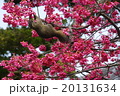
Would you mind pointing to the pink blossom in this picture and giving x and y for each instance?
(11, 74)
(42, 48)
(5, 78)
(24, 44)
(62, 75)
(34, 33)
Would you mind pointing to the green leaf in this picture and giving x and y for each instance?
(64, 21)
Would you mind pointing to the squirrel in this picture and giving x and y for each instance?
(46, 31)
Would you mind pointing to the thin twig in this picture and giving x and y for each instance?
(38, 12)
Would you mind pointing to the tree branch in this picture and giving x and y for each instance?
(118, 31)
(116, 7)
(55, 25)
(106, 49)
(111, 40)
(107, 66)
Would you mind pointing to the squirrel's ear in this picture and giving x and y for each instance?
(35, 17)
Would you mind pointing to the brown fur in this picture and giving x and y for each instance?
(47, 31)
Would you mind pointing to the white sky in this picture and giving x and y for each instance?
(2, 24)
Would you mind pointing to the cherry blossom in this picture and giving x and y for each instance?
(84, 55)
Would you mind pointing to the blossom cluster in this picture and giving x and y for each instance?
(84, 53)
(17, 15)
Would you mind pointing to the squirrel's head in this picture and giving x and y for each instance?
(34, 22)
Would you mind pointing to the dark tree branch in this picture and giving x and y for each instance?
(111, 40)
(116, 7)
(113, 23)
(106, 49)
(55, 25)
(107, 66)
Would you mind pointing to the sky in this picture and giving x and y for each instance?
(2, 24)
